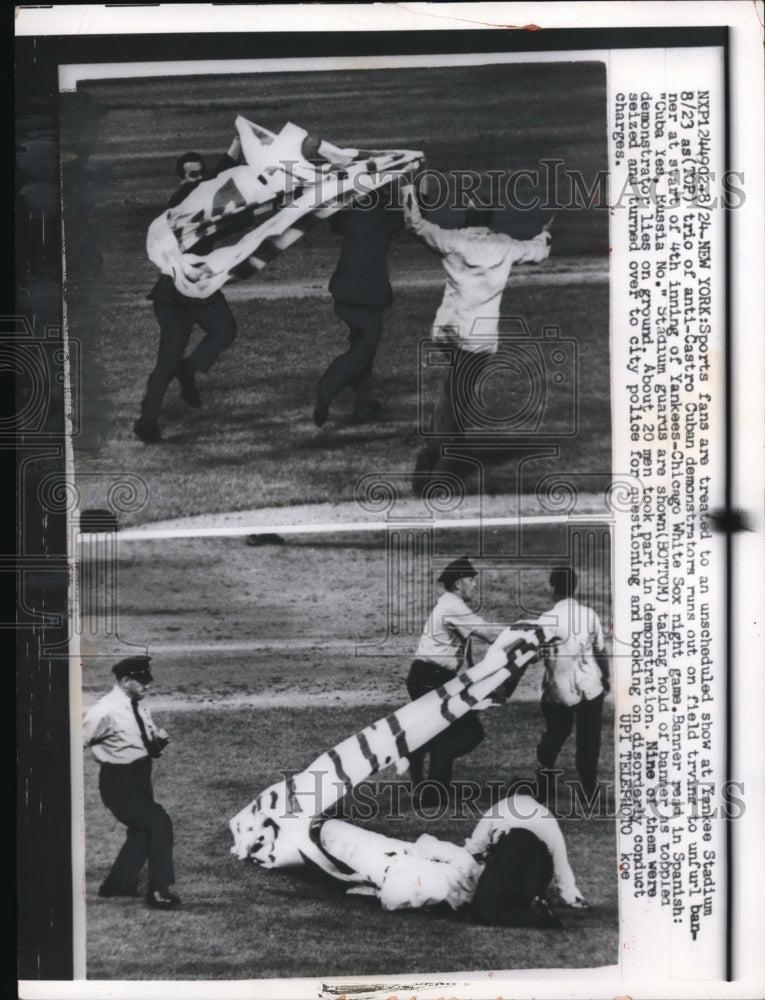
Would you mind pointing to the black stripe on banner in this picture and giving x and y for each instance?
(267, 251)
(398, 735)
(374, 763)
(314, 834)
(305, 222)
(334, 756)
(224, 228)
(445, 710)
(469, 699)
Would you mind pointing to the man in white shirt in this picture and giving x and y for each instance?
(124, 739)
(443, 650)
(477, 261)
(576, 680)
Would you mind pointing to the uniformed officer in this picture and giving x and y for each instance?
(124, 739)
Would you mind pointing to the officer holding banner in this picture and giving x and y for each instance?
(444, 650)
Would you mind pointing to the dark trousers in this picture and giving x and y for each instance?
(559, 721)
(354, 368)
(175, 326)
(127, 793)
(458, 410)
(460, 738)
(518, 870)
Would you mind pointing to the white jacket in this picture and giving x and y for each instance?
(477, 262)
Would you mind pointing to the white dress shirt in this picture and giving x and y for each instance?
(447, 631)
(575, 635)
(111, 730)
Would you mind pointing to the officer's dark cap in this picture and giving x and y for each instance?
(136, 667)
(456, 570)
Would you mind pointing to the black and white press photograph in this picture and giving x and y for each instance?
(374, 392)
(304, 298)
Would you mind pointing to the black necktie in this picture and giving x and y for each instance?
(151, 747)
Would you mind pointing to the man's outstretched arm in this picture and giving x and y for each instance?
(438, 239)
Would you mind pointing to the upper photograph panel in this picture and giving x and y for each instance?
(283, 286)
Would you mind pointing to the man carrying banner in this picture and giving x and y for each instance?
(362, 292)
(287, 183)
(177, 315)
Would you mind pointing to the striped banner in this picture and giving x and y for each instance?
(266, 204)
(273, 830)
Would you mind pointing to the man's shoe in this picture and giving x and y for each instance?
(320, 412)
(186, 375)
(543, 916)
(162, 899)
(106, 892)
(147, 431)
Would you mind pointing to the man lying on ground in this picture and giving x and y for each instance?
(502, 874)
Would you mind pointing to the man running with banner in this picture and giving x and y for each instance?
(229, 227)
(177, 315)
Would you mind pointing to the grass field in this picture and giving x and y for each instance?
(253, 444)
(241, 922)
(262, 660)
(222, 612)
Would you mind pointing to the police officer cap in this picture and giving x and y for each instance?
(136, 667)
(456, 570)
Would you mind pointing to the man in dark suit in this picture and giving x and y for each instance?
(361, 289)
(177, 315)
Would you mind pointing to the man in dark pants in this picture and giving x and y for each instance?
(575, 683)
(443, 651)
(362, 292)
(177, 315)
(124, 739)
(478, 262)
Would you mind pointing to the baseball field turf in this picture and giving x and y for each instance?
(266, 656)
(250, 683)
